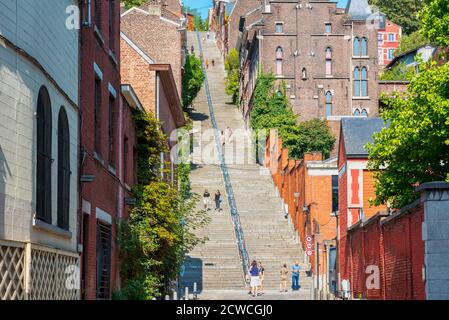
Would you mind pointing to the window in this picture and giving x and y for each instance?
(356, 49)
(104, 237)
(328, 61)
(112, 131)
(334, 193)
(111, 24)
(125, 160)
(391, 37)
(364, 47)
(380, 38)
(97, 116)
(63, 170)
(357, 113)
(328, 27)
(279, 57)
(43, 165)
(328, 104)
(364, 113)
(361, 82)
(279, 27)
(356, 82)
(97, 8)
(364, 82)
(390, 54)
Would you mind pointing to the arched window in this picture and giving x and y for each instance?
(63, 170)
(356, 48)
(364, 82)
(328, 104)
(328, 61)
(279, 58)
(364, 46)
(357, 112)
(356, 82)
(43, 164)
(364, 113)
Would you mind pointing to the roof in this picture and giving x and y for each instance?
(358, 9)
(404, 54)
(356, 132)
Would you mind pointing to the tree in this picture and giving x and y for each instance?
(272, 110)
(401, 12)
(435, 22)
(133, 3)
(410, 42)
(415, 147)
(399, 72)
(192, 80)
(232, 66)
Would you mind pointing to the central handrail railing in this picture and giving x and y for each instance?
(230, 192)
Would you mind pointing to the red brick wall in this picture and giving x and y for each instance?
(102, 193)
(396, 247)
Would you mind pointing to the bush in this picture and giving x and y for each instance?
(232, 66)
(192, 81)
(271, 110)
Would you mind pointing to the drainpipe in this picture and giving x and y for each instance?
(158, 113)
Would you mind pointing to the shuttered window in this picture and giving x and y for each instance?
(43, 165)
(63, 170)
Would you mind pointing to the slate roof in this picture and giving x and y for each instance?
(358, 9)
(357, 132)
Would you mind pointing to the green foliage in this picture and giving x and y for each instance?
(401, 12)
(410, 42)
(192, 81)
(399, 72)
(201, 24)
(232, 66)
(159, 231)
(271, 109)
(133, 3)
(415, 147)
(435, 22)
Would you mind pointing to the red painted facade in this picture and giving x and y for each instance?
(388, 42)
(99, 162)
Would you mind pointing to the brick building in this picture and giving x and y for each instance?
(327, 57)
(388, 36)
(309, 192)
(158, 33)
(99, 154)
(152, 65)
(356, 184)
(39, 108)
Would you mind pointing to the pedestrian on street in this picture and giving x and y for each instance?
(207, 64)
(228, 133)
(218, 201)
(192, 49)
(206, 200)
(284, 274)
(213, 63)
(261, 277)
(223, 138)
(254, 273)
(295, 276)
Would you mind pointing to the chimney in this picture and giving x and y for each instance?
(155, 9)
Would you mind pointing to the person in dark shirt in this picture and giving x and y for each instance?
(254, 273)
(218, 201)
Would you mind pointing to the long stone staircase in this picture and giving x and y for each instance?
(216, 265)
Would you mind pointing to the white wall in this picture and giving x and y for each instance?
(56, 48)
(39, 28)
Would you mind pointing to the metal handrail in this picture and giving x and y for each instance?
(229, 190)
